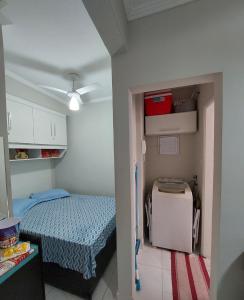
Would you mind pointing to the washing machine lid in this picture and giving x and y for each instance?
(172, 187)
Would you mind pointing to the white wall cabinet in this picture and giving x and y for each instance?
(20, 123)
(29, 123)
(177, 123)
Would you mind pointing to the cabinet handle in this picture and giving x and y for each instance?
(55, 130)
(9, 122)
(51, 128)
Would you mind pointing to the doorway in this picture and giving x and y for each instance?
(202, 145)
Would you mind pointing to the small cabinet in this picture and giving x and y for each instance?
(20, 123)
(177, 123)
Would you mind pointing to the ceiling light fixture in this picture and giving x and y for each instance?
(74, 103)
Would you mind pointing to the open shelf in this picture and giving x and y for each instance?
(175, 123)
(36, 154)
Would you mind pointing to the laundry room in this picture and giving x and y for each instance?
(173, 132)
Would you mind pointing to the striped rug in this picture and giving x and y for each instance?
(190, 277)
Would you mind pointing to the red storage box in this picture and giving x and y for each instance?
(45, 153)
(158, 103)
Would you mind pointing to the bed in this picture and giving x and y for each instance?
(76, 234)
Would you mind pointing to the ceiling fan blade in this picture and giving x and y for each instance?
(87, 89)
(53, 89)
(4, 20)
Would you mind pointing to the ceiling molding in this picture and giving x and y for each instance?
(142, 9)
(30, 84)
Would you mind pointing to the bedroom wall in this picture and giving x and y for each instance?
(203, 37)
(31, 176)
(88, 166)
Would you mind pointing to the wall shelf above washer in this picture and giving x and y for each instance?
(177, 123)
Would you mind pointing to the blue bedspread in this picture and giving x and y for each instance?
(73, 230)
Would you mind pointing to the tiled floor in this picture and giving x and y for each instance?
(106, 289)
(155, 274)
(152, 272)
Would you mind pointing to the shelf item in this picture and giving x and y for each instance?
(32, 124)
(177, 123)
(158, 102)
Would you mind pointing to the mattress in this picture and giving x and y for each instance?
(73, 230)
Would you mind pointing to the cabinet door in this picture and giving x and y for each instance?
(43, 130)
(59, 130)
(20, 123)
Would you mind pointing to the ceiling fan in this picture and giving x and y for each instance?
(74, 95)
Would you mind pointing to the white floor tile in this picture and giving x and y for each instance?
(110, 276)
(73, 297)
(167, 282)
(108, 295)
(166, 261)
(48, 288)
(150, 256)
(167, 296)
(56, 294)
(100, 290)
(151, 282)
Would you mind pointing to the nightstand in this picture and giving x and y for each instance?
(24, 281)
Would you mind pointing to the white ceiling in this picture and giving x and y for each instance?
(50, 38)
(140, 8)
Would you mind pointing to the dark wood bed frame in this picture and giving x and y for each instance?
(72, 281)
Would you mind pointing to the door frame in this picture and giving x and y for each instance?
(217, 80)
(206, 204)
(3, 126)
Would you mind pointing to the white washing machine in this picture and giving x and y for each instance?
(172, 215)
